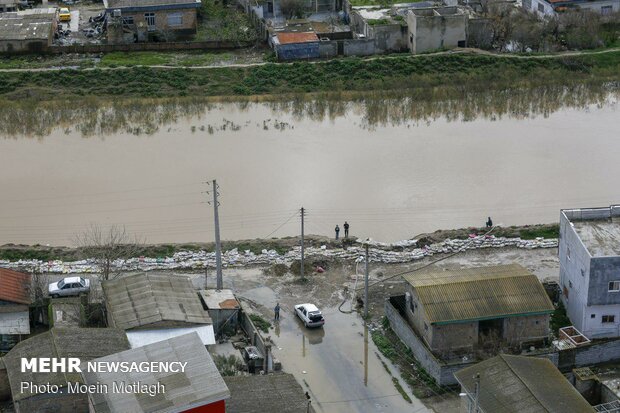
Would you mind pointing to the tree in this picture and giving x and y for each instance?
(107, 246)
(292, 8)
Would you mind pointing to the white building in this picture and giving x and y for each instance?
(589, 252)
(550, 8)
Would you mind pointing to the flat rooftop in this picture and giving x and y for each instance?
(600, 236)
(33, 24)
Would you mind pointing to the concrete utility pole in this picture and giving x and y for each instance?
(303, 212)
(218, 245)
(366, 284)
(477, 395)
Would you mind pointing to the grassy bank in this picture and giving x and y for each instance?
(456, 71)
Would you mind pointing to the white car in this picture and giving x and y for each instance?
(69, 286)
(310, 315)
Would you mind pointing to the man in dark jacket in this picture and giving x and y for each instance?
(337, 229)
(346, 229)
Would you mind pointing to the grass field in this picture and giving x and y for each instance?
(456, 71)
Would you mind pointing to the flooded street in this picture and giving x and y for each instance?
(388, 170)
(340, 365)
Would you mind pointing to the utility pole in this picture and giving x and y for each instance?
(218, 245)
(477, 395)
(303, 212)
(366, 284)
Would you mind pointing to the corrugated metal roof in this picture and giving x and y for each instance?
(199, 384)
(34, 24)
(296, 37)
(14, 286)
(479, 293)
(143, 299)
(265, 393)
(522, 384)
(85, 343)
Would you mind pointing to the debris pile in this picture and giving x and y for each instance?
(379, 252)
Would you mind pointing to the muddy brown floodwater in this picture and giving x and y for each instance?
(391, 168)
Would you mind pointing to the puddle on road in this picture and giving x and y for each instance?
(338, 365)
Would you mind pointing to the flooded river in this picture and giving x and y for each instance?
(392, 167)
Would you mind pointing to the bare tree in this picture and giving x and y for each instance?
(107, 246)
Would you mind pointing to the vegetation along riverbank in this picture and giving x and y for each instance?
(456, 71)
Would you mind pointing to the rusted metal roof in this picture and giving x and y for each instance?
(297, 37)
(479, 293)
(512, 384)
(14, 286)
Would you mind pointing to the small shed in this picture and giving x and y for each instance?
(296, 45)
(199, 387)
(223, 308)
(151, 307)
(27, 30)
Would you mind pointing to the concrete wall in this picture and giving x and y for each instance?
(389, 37)
(5, 387)
(574, 273)
(518, 330)
(328, 49)
(257, 340)
(601, 6)
(584, 280)
(442, 373)
(431, 29)
(540, 7)
(359, 47)
(188, 20)
(297, 51)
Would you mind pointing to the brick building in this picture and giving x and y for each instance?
(458, 312)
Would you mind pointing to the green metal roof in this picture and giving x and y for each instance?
(522, 384)
(479, 293)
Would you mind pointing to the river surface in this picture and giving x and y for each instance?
(392, 168)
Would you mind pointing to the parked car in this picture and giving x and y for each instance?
(64, 15)
(310, 315)
(69, 286)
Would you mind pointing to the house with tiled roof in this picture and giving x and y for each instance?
(456, 312)
(14, 302)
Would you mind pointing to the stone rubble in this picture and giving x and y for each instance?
(401, 252)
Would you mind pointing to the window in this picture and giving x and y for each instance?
(606, 10)
(175, 19)
(150, 19)
(541, 8)
(592, 315)
(128, 20)
(614, 286)
(608, 318)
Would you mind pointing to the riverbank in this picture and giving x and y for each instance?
(456, 71)
(283, 250)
